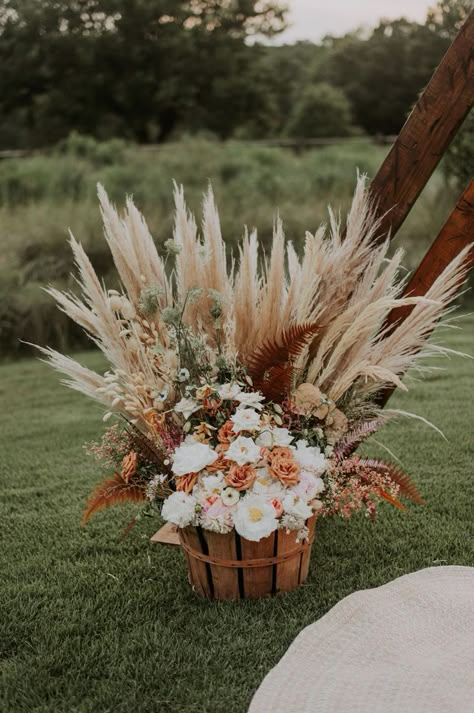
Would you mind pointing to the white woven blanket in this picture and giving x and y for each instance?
(406, 647)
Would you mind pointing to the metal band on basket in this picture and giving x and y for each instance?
(262, 562)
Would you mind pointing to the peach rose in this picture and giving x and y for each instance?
(225, 434)
(241, 477)
(283, 466)
(220, 464)
(186, 482)
(306, 399)
(129, 466)
(277, 452)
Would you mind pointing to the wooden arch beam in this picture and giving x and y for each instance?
(422, 142)
(456, 234)
(427, 133)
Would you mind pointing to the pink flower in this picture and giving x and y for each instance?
(209, 502)
(278, 506)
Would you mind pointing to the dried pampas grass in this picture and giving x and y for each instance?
(341, 283)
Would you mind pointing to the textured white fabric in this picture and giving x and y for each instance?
(405, 647)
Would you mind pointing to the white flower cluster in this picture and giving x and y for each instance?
(264, 479)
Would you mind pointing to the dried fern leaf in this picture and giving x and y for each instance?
(349, 443)
(280, 352)
(277, 383)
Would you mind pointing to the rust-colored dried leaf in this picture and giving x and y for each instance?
(111, 491)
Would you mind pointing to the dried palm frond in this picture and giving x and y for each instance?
(112, 491)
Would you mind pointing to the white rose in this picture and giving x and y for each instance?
(187, 407)
(265, 438)
(192, 458)
(296, 507)
(229, 392)
(310, 458)
(243, 450)
(308, 486)
(212, 484)
(274, 437)
(245, 419)
(252, 399)
(267, 486)
(281, 437)
(254, 518)
(179, 508)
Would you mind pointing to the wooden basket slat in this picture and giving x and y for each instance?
(225, 579)
(306, 556)
(258, 582)
(198, 571)
(287, 573)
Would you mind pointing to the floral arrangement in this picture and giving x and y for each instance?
(243, 389)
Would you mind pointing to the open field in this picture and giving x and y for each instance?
(41, 197)
(91, 625)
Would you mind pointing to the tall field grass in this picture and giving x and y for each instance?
(43, 196)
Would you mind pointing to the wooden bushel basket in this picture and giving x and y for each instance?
(231, 567)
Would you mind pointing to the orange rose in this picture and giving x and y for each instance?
(240, 477)
(219, 464)
(186, 482)
(225, 434)
(277, 452)
(283, 466)
(129, 466)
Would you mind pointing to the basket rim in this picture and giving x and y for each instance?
(249, 563)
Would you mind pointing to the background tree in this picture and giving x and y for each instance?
(150, 70)
(446, 20)
(133, 68)
(383, 74)
(447, 17)
(322, 111)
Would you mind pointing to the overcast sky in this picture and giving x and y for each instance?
(312, 19)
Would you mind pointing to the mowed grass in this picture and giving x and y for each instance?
(93, 625)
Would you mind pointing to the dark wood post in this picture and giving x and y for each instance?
(427, 133)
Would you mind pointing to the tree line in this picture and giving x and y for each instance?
(151, 70)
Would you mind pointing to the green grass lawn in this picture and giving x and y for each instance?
(92, 625)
